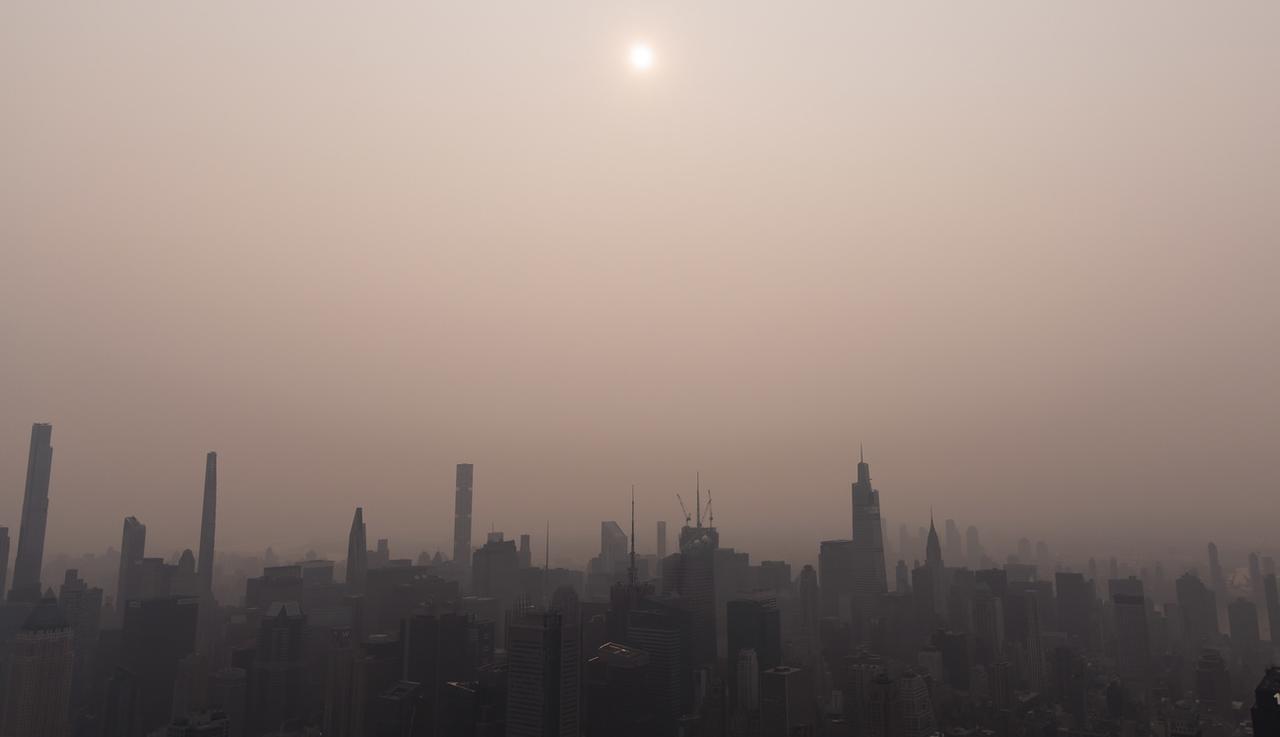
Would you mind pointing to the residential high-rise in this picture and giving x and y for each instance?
(41, 662)
(35, 516)
(133, 548)
(462, 515)
(543, 675)
(915, 708)
(4, 559)
(357, 553)
(870, 580)
(662, 540)
(81, 606)
(208, 519)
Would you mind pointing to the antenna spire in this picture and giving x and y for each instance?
(862, 457)
(631, 569)
(697, 502)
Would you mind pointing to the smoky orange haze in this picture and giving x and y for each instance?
(1026, 252)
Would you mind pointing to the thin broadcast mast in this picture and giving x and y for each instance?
(631, 569)
(697, 499)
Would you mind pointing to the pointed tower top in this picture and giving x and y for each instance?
(862, 457)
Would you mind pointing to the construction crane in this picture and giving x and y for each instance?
(683, 509)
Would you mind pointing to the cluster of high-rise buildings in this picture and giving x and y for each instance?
(696, 641)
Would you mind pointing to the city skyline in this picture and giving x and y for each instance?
(595, 368)
(1015, 269)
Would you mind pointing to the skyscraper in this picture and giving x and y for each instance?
(1273, 608)
(662, 541)
(462, 515)
(543, 677)
(613, 547)
(836, 572)
(208, 518)
(785, 704)
(1133, 654)
(4, 558)
(38, 697)
(133, 547)
(1217, 582)
(955, 548)
(35, 516)
(357, 553)
(870, 580)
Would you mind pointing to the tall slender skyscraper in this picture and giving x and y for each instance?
(357, 552)
(662, 541)
(462, 516)
(1217, 582)
(35, 516)
(870, 581)
(4, 558)
(208, 518)
(133, 547)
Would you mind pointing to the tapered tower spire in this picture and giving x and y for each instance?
(208, 522)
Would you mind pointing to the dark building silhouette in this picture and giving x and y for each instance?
(1217, 582)
(786, 706)
(208, 522)
(1199, 612)
(81, 606)
(691, 575)
(278, 679)
(543, 675)
(1242, 618)
(35, 516)
(462, 515)
(133, 547)
(837, 562)
(37, 700)
(662, 539)
(495, 570)
(615, 693)
(1133, 654)
(664, 633)
(1075, 598)
(870, 576)
(357, 553)
(1265, 712)
(753, 624)
(4, 559)
(229, 692)
(158, 633)
(1273, 608)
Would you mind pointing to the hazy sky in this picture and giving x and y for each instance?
(1026, 252)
